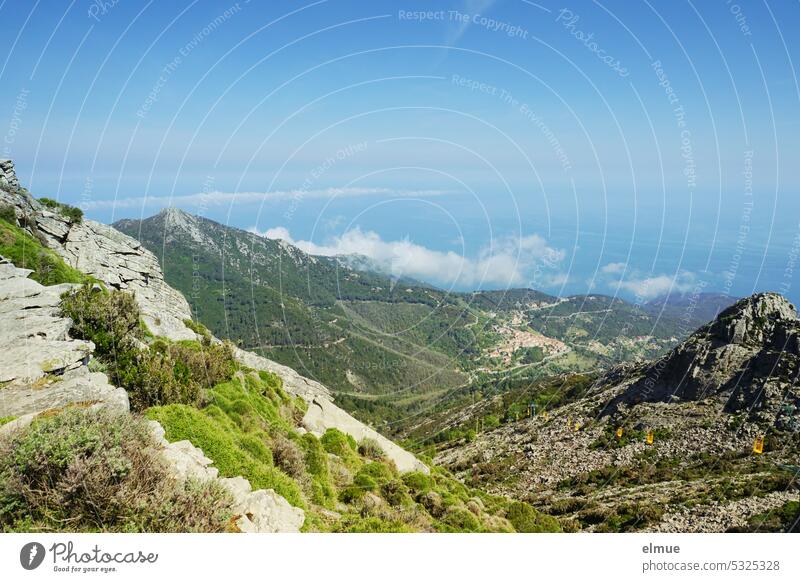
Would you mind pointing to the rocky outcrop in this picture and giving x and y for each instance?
(121, 262)
(293, 382)
(749, 358)
(260, 511)
(8, 175)
(116, 259)
(41, 367)
(34, 342)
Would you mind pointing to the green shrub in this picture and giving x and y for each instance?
(462, 519)
(396, 493)
(71, 213)
(322, 489)
(242, 430)
(351, 494)
(164, 373)
(8, 214)
(220, 439)
(110, 319)
(82, 470)
(526, 519)
(380, 472)
(371, 449)
(418, 482)
(288, 456)
(343, 446)
(353, 524)
(365, 483)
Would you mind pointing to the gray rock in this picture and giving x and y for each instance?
(8, 175)
(263, 510)
(748, 357)
(260, 511)
(323, 414)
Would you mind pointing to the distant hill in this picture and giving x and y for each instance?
(355, 331)
(389, 348)
(695, 310)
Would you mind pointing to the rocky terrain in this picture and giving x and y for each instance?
(43, 369)
(667, 445)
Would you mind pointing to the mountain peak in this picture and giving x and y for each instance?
(171, 214)
(752, 320)
(749, 357)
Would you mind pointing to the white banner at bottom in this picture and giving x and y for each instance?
(401, 557)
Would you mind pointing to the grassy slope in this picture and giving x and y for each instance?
(26, 252)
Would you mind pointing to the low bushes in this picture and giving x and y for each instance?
(371, 449)
(236, 431)
(526, 519)
(163, 373)
(322, 490)
(82, 470)
(71, 213)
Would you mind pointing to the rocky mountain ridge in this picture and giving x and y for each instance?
(748, 358)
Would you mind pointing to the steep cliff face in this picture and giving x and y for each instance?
(41, 367)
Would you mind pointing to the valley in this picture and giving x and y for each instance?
(391, 351)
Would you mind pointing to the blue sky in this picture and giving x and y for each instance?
(616, 146)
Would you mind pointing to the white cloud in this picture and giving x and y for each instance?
(506, 262)
(614, 268)
(658, 285)
(190, 201)
(645, 286)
